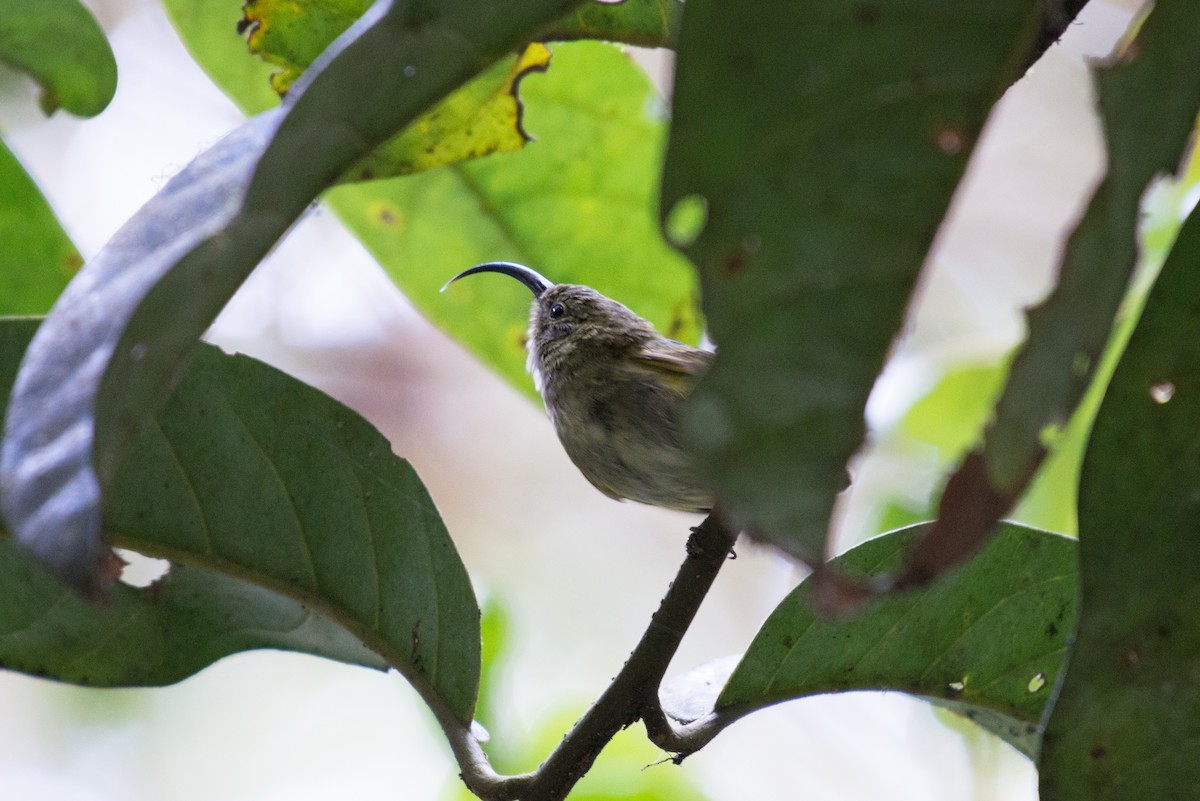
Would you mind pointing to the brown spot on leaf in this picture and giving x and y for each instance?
(951, 139)
(73, 262)
(866, 13)
(1133, 658)
(1098, 752)
(788, 642)
(736, 262)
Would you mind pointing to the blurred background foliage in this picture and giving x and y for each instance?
(552, 634)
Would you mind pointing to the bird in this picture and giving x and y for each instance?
(615, 389)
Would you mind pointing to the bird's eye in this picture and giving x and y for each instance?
(556, 311)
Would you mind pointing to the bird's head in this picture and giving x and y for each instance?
(570, 321)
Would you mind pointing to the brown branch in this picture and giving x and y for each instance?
(632, 695)
(635, 688)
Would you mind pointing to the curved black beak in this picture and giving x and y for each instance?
(530, 278)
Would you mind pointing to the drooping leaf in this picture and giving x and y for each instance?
(1124, 725)
(576, 204)
(114, 345)
(824, 148)
(987, 641)
(1148, 119)
(60, 45)
(290, 524)
(36, 255)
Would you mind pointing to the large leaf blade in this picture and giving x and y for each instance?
(987, 641)
(114, 344)
(1124, 725)
(1148, 122)
(799, 127)
(291, 525)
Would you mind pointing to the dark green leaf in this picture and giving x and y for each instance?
(59, 43)
(291, 525)
(577, 204)
(155, 636)
(1148, 120)
(115, 343)
(1125, 723)
(36, 256)
(825, 146)
(645, 23)
(986, 641)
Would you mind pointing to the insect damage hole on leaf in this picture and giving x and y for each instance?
(140, 570)
(1162, 391)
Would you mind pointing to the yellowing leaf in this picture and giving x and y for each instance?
(482, 117)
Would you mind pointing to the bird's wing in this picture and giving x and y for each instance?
(675, 357)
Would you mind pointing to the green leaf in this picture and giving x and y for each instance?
(577, 204)
(645, 23)
(1125, 724)
(289, 523)
(291, 35)
(36, 256)
(156, 636)
(950, 416)
(987, 641)
(61, 46)
(825, 147)
(209, 30)
(1148, 122)
(481, 118)
(113, 346)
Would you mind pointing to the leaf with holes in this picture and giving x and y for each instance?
(291, 35)
(290, 524)
(986, 641)
(1125, 723)
(1147, 127)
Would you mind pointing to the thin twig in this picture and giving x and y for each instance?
(632, 695)
(635, 688)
